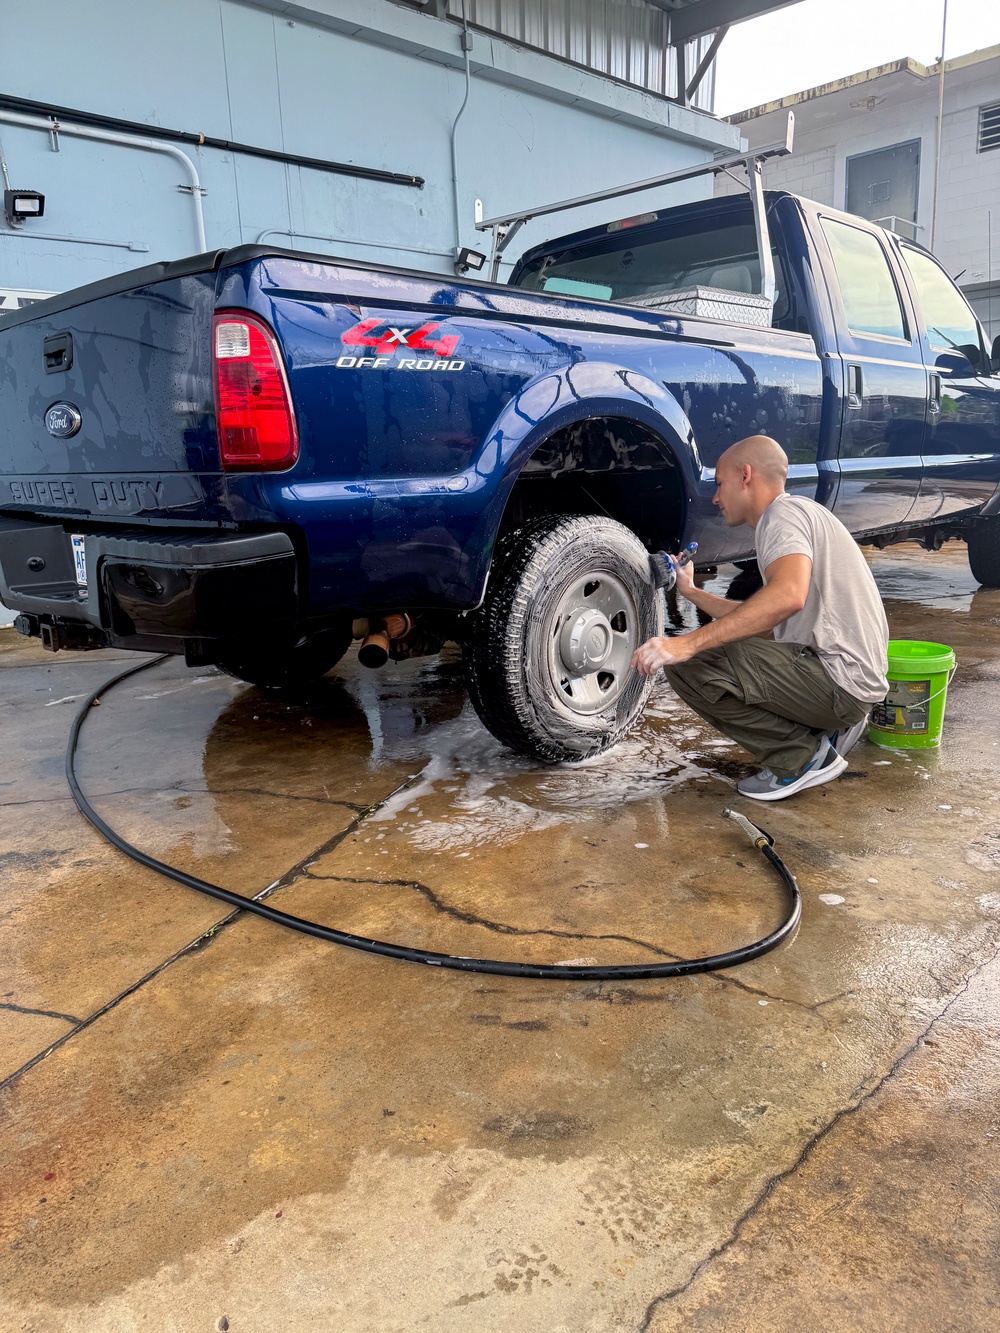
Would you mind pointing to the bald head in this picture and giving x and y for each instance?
(748, 476)
(764, 455)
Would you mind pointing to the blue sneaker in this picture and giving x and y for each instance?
(825, 765)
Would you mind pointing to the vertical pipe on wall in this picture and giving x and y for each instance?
(940, 122)
(466, 47)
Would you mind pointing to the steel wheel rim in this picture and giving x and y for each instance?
(592, 633)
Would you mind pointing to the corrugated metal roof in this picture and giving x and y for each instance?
(628, 40)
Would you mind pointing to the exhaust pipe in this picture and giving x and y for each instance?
(374, 651)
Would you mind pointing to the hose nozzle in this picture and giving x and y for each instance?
(756, 835)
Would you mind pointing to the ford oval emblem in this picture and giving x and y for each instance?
(63, 420)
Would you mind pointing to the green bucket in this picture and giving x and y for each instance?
(912, 716)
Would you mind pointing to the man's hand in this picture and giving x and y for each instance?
(657, 653)
(685, 576)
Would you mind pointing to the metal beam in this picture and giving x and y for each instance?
(765, 258)
(706, 62)
(680, 60)
(704, 16)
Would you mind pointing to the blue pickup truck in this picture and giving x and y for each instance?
(256, 457)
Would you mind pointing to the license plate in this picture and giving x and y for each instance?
(79, 559)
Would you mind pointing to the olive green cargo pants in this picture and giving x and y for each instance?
(774, 699)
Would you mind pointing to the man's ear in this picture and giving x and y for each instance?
(747, 475)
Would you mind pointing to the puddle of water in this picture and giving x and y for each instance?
(940, 580)
(473, 792)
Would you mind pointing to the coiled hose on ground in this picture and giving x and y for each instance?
(542, 971)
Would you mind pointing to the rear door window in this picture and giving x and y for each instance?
(867, 287)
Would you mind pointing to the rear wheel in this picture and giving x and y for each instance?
(291, 665)
(548, 661)
(983, 540)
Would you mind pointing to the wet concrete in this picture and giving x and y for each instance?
(209, 1122)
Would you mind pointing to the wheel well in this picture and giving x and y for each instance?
(604, 465)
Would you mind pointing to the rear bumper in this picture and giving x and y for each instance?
(172, 592)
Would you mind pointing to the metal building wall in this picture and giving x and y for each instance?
(625, 39)
(362, 81)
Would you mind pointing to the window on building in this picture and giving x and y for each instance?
(867, 287)
(950, 323)
(989, 128)
(882, 186)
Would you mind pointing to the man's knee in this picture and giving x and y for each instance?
(707, 674)
(682, 678)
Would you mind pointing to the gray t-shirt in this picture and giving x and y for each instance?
(843, 620)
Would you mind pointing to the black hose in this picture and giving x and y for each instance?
(544, 971)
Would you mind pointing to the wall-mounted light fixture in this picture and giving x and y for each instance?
(20, 205)
(466, 260)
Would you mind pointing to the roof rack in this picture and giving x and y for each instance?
(506, 226)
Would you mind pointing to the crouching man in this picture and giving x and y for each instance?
(800, 701)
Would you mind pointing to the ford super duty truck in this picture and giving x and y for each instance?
(256, 457)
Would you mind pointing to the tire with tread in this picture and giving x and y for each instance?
(983, 540)
(505, 656)
(292, 665)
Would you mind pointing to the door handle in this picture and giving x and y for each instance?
(57, 352)
(935, 394)
(855, 386)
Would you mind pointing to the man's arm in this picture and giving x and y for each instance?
(713, 606)
(783, 594)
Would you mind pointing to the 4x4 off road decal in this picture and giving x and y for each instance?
(386, 340)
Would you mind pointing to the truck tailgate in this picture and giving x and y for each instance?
(106, 403)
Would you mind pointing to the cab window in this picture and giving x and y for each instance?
(625, 265)
(867, 287)
(949, 322)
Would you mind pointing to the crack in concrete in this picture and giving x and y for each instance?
(772, 1183)
(504, 928)
(202, 941)
(841, 995)
(55, 800)
(813, 1008)
(277, 795)
(498, 927)
(40, 1013)
(183, 788)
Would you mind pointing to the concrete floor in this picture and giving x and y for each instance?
(211, 1123)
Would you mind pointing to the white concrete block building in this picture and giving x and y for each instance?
(868, 144)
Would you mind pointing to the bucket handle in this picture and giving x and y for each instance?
(906, 708)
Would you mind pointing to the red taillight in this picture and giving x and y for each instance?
(256, 424)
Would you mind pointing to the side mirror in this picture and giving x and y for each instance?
(958, 361)
(995, 355)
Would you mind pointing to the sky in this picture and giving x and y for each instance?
(816, 41)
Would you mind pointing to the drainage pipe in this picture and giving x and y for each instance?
(126, 141)
(79, 117)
